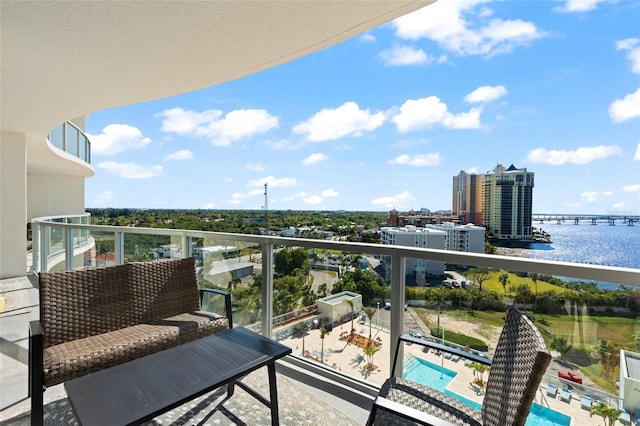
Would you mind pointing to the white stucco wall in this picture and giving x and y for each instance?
(13, 205)
(54, 195)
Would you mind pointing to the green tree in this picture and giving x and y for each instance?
(367, 283)
(290, 262)
(478, 276)
(323, 331)
(350, 303)
(534, 277)
(303, 329)
(608, 414)
(370, 312)
(322, 290)
(560, 344)
(369, 352)
(504, 280)
(438, 295)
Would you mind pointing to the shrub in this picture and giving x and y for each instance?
(460, 339)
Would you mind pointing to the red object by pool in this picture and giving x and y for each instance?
(569, 375)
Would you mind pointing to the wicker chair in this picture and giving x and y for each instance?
(520, 361)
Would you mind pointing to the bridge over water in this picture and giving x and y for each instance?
(576, 219)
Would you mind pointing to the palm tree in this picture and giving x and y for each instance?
(370, 312)
(560, 344)
(350, 303)
(323, 331)
(303, 328)
(478, 371)
(369, 352)
(534, 278)
(608, 414)
(504, 280)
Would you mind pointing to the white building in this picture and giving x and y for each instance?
(630, 381)
(412, 236)
(468, 238)
(336, 308)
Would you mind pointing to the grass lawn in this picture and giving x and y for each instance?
(493, 283)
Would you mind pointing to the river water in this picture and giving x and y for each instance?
(600, 244)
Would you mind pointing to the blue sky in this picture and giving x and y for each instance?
(386, 119)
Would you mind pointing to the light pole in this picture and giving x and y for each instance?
(378, 315)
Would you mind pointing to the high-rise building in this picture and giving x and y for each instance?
(412, 236)
(467, 197)
(507, 196)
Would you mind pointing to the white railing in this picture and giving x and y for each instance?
(180, 243)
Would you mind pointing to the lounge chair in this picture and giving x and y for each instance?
(520, 361)
(565, 395)
(624, 417)
(585, 402)
(552, 390)
(447, 355)
(455, 358)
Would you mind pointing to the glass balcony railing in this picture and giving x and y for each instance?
(52, 244)
(71, 139)
(329, 335)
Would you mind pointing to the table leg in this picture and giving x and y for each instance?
(273, 394)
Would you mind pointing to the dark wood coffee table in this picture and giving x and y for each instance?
(140, 390)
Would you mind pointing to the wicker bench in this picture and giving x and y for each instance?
(99, 318)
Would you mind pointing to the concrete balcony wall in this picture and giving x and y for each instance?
(53, 194)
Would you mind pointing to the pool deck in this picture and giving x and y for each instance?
(350, 359)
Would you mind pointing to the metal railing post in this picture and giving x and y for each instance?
(397, 311)
(118, 247)
(186, 247)
(45, 248)
(67, 234)
(35, 246)
(267, 290)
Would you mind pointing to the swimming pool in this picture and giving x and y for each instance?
(429, 374)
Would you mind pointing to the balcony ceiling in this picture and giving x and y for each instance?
(61, 60)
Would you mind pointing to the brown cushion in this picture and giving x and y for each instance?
(76, 358)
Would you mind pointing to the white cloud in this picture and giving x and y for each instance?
(631, 188)
(446, 23)
(589, 196)
(486, 94)
(130, 170)
(637, 156)
(582, 155)
(394, 200)
(573, 6)
(425, 112)
(633, 46)
(346, 120)
(607, 193)
(209, 206)
(312, 199)
(272, 182)
(618, 205)
(626, 108)
(256, 167)
(368, 38)
(329, 193)
(211, 124)
(314, 158)
(399, 56)
(431, 159)
(103, 198)
(183, 154)
(473, 170)
(237, 197)
(117, 138)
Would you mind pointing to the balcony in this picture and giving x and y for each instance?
(332, 374)
(69, 138)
